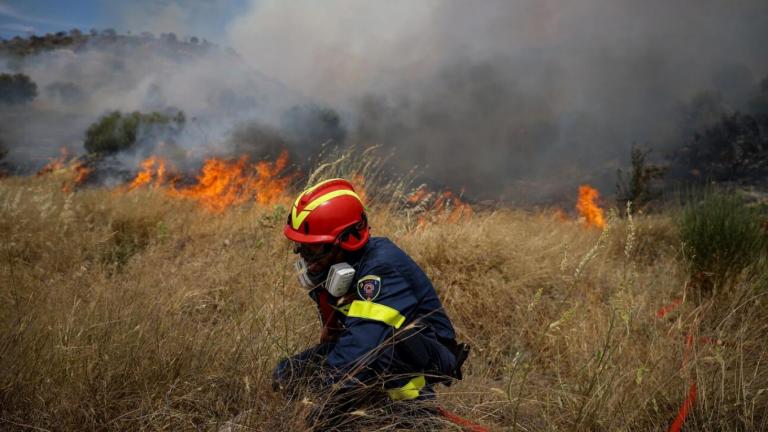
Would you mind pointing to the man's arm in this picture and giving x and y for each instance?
(383, 299)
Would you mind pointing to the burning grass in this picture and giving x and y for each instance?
(221, 183)
(588, 207)
(137, 311)
(63, 166)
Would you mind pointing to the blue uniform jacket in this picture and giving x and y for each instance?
(390, 292)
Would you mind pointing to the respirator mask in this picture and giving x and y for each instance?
(337, 281)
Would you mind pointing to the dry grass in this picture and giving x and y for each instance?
(136, 312)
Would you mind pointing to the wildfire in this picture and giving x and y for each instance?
(588, 208)
(64, 163)
(269, 184)
(358, 181)
(56, 164)
(222, 183)
(444, 205)
(151, 168)
(419, 195)
(81, 173)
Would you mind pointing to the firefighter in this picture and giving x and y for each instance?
(381, 319)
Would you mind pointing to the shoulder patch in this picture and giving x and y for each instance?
(369, 287)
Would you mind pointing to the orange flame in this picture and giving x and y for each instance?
(223, 183)
(220, 185)
(587, 207)
(269, 184)
(55, 164)
(151, 168)
(358, 181)
(418, 195)
(64, 163)
(81, 173)
(444, 205)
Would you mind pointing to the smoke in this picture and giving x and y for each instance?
(503, 97)
(216, 90)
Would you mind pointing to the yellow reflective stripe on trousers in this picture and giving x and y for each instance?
(409, 391)
(373, 311)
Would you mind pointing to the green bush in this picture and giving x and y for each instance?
(721, 238)
(639, 186)
(117, 131)
(16, 89)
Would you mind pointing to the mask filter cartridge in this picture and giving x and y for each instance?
(340, 278)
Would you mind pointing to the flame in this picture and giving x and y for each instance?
(81, 173)
(443, 205)
(587, 207)
(419, 195)
(55, 164)
(66, 164)
(151, 168)
(222, 183)
(358, 181)
(269, 184)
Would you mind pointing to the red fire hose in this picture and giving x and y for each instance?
(467, 425)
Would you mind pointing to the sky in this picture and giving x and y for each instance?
(208, 18)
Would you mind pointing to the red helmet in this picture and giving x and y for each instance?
(329, 212)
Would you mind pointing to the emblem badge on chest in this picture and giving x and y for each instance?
(369, 287)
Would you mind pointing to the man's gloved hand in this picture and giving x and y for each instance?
(461, 353)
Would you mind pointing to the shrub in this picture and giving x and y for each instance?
(638, 187)
(117, 131)
(721, 238)
(16, 89)
(65, 92)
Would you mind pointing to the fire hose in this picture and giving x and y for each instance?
(690, 397)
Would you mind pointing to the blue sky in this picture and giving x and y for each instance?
(204, 18)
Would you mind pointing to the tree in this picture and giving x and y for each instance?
(735, 149)
(638, 188)
(169, 37)
(65, 92)
(758, 105)
(116, 131)
(16, 89)
(704, 110)
(3, 150)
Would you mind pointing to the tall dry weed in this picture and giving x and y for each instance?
(134, 311)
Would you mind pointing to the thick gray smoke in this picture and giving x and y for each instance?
(216, 90)
(513, 99)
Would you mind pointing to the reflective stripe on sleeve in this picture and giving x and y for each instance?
(409, 391)
(373, 311)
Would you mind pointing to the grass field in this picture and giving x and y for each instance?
(136, 311)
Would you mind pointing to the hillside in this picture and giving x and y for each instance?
(78, 79)
(76, 40)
